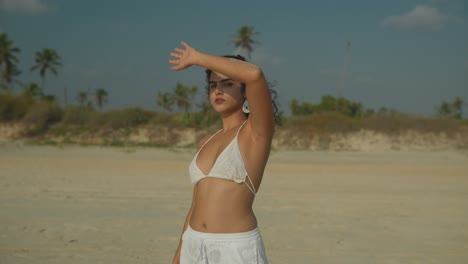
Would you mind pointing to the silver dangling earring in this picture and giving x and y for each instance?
(245, 107)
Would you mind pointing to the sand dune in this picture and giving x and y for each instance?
(124, 205)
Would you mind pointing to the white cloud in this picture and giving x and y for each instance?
(421, 17)
(24, 6)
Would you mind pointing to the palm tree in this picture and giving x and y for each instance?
(181, 97)
(47, 60)
(294, 106)
(452, 109)
(33, 90)
(243, 39)
(458, 107)
(165, 101)
(8, 59)
(192, 92)
(101, 97)
(82, 98)
(10, 73)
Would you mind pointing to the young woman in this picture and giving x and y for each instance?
(228, 167)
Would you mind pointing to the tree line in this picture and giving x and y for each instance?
(46, 61)
(181, 98)
(329, 103)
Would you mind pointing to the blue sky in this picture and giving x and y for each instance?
(407, 55)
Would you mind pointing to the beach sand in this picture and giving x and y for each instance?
(75, 204)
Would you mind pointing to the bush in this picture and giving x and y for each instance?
(78, 115)
(124, 118)
(331, 122)
(41, 115)
(13, 108)
(163, 119)
(394, 122)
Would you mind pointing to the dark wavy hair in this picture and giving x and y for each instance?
(273, 93)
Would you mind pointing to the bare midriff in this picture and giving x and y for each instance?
(222, 206)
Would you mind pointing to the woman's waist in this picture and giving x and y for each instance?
(253, 233)
(222, 220)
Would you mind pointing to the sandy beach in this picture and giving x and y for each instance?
(75, 204)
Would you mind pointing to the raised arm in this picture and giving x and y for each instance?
(261, 117)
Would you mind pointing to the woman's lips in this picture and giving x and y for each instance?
(219, 100)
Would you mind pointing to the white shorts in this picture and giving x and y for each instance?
(226, 248)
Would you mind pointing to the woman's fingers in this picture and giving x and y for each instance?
(186, 46)
(180, 57)
(177, 66)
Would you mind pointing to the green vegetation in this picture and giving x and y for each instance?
(85, 98)
(46, 60)
(452, 109)
(8, 61)
(45, 120)
(183, 97)
(243, 39)
(328, 104)
(100, 97)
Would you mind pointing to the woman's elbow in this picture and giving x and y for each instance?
(256, 74)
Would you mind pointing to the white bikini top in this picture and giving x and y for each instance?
(229, 165)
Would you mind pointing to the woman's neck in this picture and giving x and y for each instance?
(233, 121)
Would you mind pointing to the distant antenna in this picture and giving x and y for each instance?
(345, 67)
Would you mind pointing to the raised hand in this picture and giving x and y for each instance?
(183, 58)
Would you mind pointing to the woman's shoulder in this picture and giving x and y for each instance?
(202, 141)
